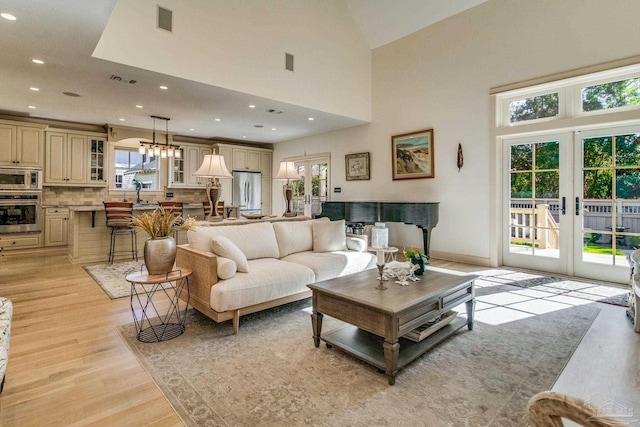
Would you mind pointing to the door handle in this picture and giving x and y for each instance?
(577, 206)
(564, 206)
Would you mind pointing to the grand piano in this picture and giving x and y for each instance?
(424, 215)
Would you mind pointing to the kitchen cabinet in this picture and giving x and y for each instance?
(56, 226)
(181, 169)
(21, 145)
(20, 241)
(246, 160)
(74, 159)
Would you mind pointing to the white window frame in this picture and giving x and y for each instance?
(131, 144)
(569, 96)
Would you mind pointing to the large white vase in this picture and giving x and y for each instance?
(159, 255)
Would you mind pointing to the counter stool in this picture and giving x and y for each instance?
(173, 208)
(119, 220)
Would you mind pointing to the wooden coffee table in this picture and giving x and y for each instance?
(379, 318)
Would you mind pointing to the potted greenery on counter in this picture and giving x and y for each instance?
(417, 257)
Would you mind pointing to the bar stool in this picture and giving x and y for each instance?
(173, 208)
(119, 220)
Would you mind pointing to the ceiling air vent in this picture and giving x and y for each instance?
(288, 61)
(165, 18)
(272, 111)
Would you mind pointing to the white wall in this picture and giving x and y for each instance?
(440, 78)
(241, 44)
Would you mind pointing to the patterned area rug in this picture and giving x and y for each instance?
(560, 286)
(271, 374)
(111, 278)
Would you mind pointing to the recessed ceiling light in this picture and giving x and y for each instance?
(8, 16)
(192, 129)
(311, 118)
(273, 128)
(164, 87)
(122, 120)
(32, 107)
(35, 89)
(138, 106)
(252, 106)
(37, 61)
(217, 120)
(244, 136)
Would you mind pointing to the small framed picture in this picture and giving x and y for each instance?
(357, 166)
(412, 155)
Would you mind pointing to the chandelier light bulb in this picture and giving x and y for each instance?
(142, 150)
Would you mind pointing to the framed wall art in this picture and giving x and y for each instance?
(412, 155)
(357, 166)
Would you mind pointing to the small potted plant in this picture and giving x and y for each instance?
(417, 257)
(160, 249)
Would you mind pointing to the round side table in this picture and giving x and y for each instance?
(148, 292)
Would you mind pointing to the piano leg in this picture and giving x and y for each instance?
(426, 238)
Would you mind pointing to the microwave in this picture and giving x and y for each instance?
(20, 179)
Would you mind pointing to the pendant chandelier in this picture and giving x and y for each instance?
(154, 149)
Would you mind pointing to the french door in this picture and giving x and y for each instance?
(313, 187)
(572, 202)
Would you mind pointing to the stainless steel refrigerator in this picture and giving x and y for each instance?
(247, 192)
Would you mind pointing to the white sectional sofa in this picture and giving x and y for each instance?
(243, 268)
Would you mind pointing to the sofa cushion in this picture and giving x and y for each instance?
(327, 265)
(224, 247)
(256, 240)
(329, 236)
(268, 279)
(293, 236)
(226, 268)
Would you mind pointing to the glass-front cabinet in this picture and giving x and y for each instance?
(96, 161)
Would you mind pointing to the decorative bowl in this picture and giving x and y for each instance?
(253, 216)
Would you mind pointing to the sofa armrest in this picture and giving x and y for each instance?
(362, 237)
(204, 266)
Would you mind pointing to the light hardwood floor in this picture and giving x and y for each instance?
(69, 367)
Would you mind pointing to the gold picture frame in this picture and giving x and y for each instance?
(412, 155)
(357, 166)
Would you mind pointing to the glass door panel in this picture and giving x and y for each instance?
(312, 188)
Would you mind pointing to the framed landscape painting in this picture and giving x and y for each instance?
(412, 155)
(357, 166)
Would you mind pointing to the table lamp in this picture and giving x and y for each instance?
(287, 171)
(213, 167)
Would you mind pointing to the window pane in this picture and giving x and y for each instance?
(536, 107)
(628, 150)
(521, 185)
(521, 156)
(133, 169)
(547, 185)
(597, 152)
(547, 155)
(628, 184)
(611, 95)
(598, 184)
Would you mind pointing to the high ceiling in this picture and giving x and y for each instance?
(64, 35)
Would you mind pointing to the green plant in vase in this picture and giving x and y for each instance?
(417, 257)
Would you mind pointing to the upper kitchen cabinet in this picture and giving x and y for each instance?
(181, 169)
(75, 159)
(21, 145)
(246, 160)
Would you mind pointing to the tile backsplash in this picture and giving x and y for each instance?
(74, 196)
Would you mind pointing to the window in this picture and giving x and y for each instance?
(133, 170)
(535, 107)
(622, 93)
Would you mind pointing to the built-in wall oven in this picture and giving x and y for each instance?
(20, 200)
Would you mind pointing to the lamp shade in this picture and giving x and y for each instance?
(213, 167)
(287, 171)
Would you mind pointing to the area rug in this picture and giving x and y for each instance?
(560, 286)
(271, 374)
(111, 278)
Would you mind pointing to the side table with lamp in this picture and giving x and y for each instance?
(213, 166)
(288, 171)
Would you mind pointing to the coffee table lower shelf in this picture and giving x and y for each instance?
(368, 347)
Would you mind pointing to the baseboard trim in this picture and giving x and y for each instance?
(466, 259)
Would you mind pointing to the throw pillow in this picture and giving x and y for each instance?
(226, 268)
(355, 244)
(329, 236)
(226, 248)
(293, 236)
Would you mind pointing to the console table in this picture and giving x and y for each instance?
(147, 292)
